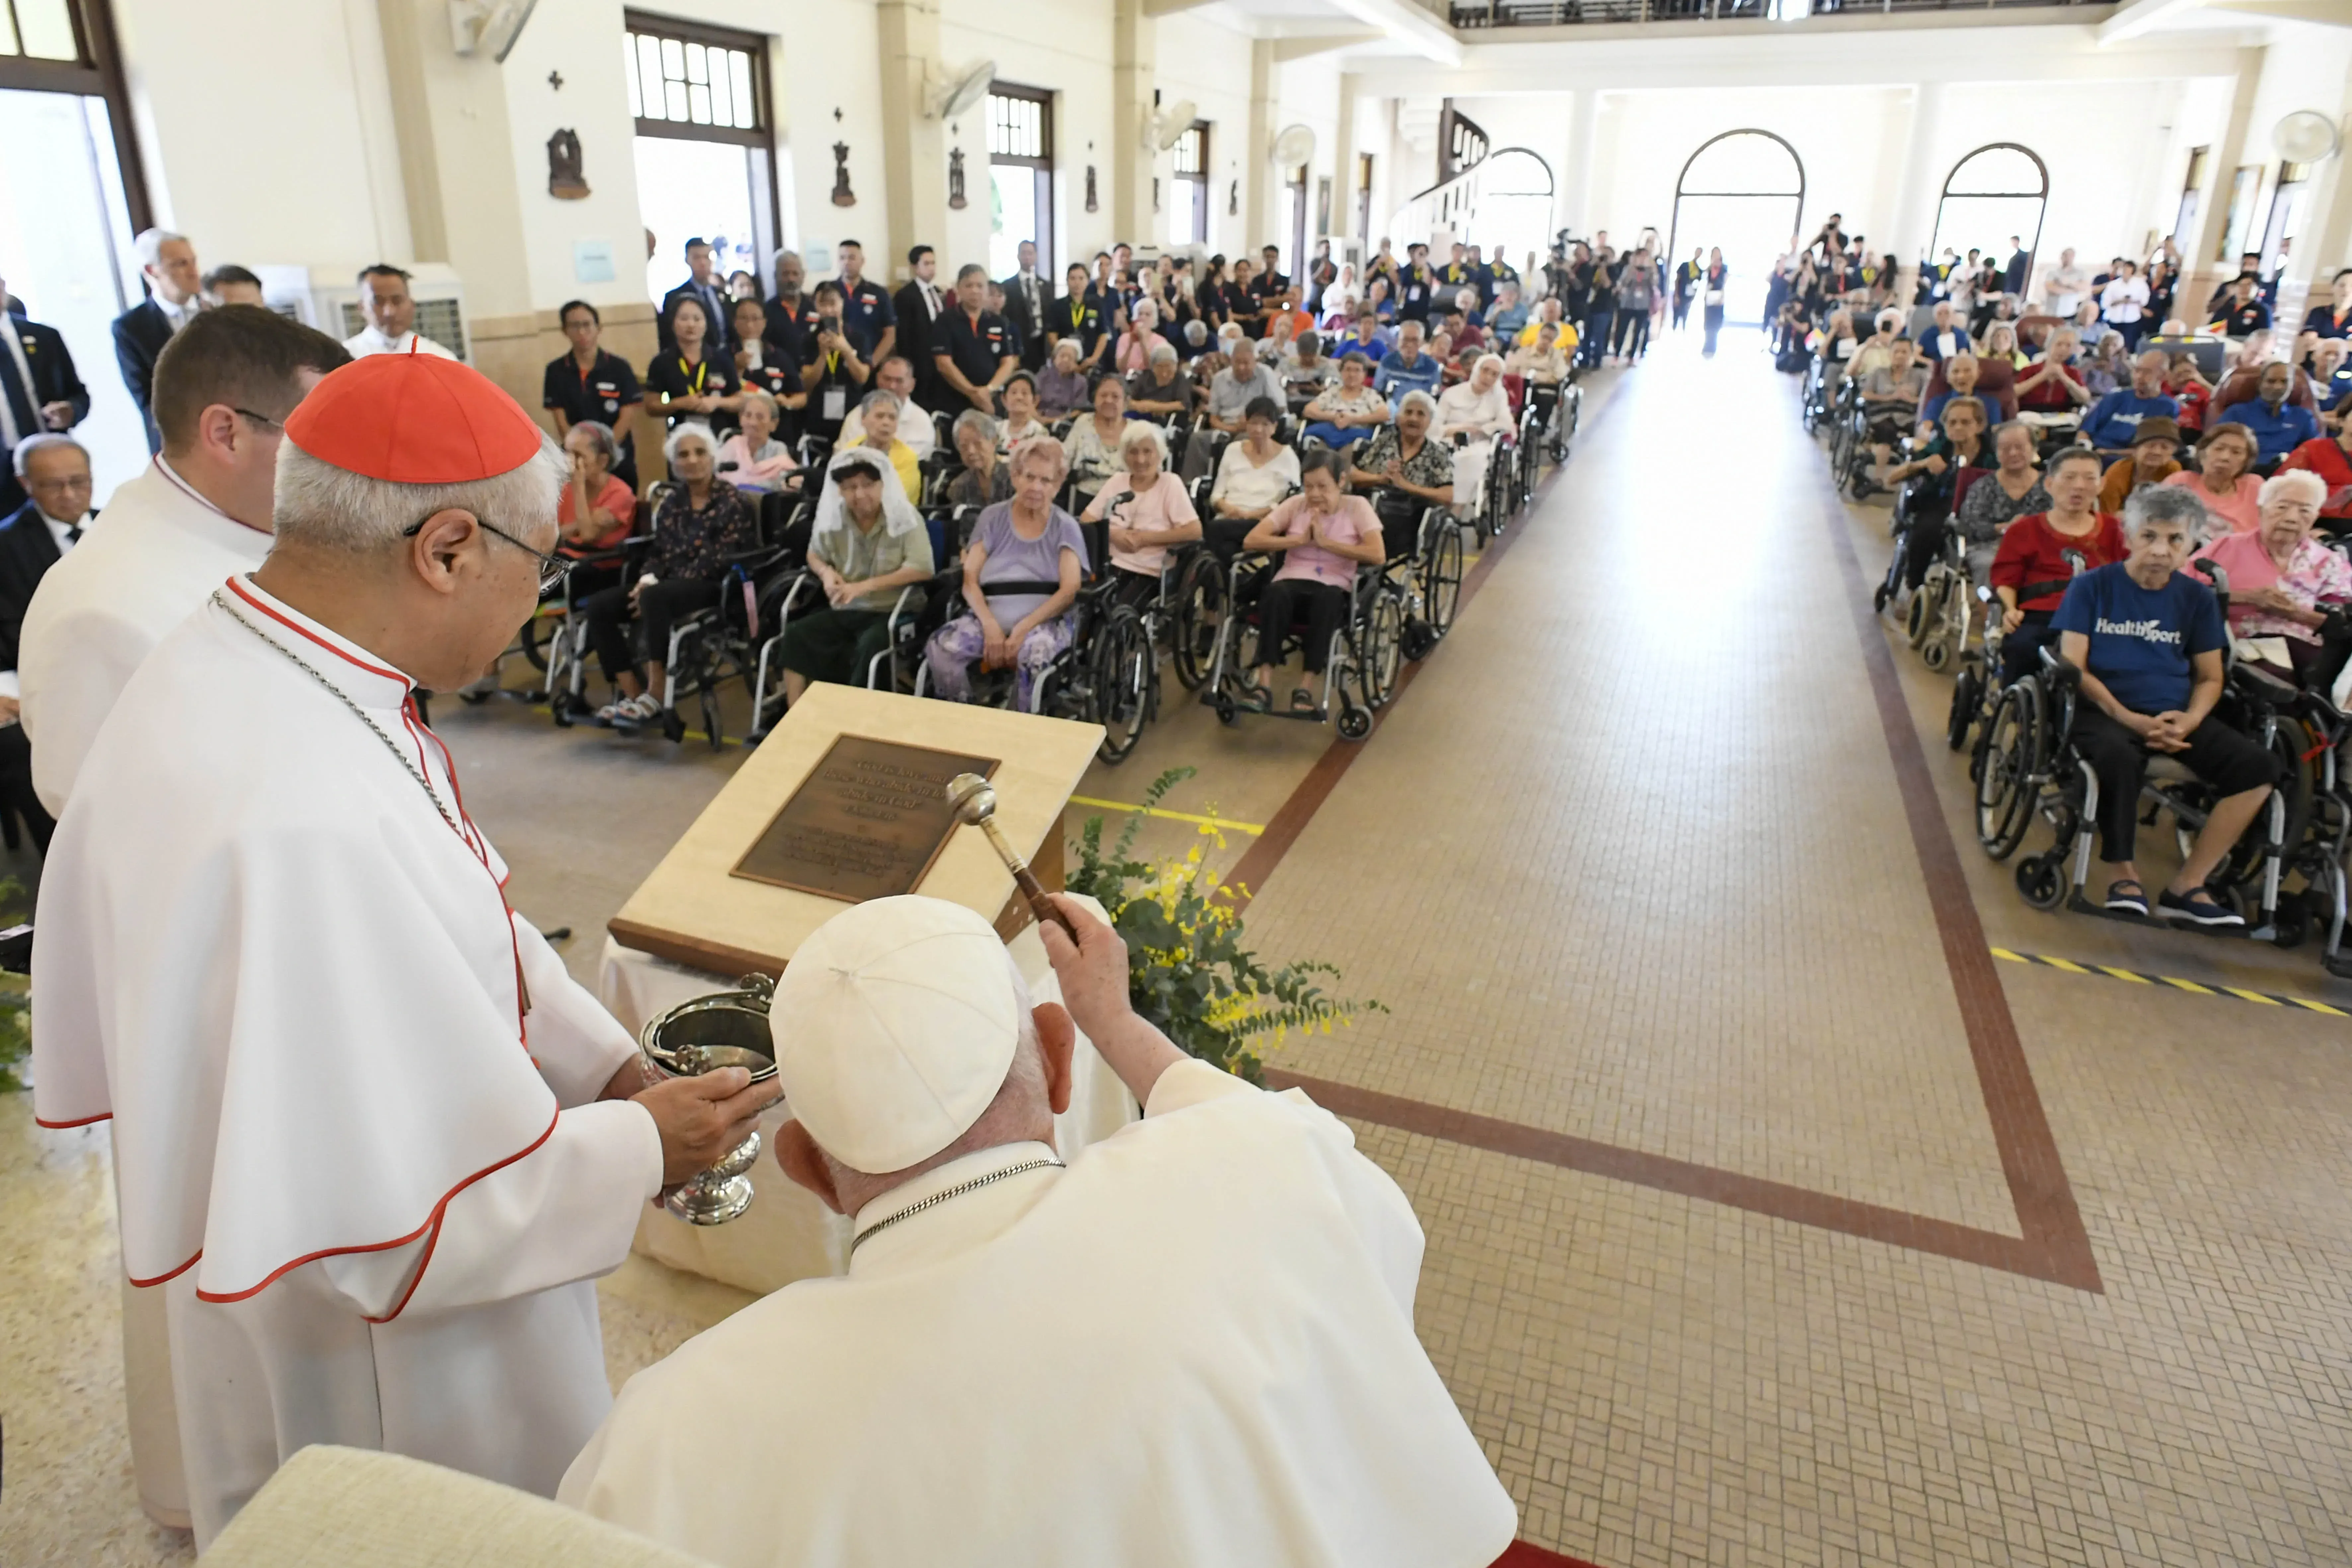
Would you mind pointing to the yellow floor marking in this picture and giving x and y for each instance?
(2067, 964)
(2185, 985)
(2251, 997)
(2048, 961)
(1130, 807)
(2123, 975)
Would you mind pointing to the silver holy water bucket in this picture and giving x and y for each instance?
(726, 1029)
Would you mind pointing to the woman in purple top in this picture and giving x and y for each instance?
(1322, 534)
(1020, 575)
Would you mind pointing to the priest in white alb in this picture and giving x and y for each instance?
(1192, 1346)
(372, 1144)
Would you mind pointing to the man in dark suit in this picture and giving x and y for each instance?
(1028, 297)
(56, 470)
(703, 287)
(175, 294)
(920, 305)
(40, 391)
(2012, 276)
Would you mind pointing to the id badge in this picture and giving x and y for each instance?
(836, 402)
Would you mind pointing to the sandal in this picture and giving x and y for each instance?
(2198, 906)
(1256, 699)
(2127, 897)
(1302, 701)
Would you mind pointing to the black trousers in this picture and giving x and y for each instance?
(1682, 310)
(17, 796)
(835, 645)
(1714, 325)
(1597, 328)
(1632, 334)
(2021, 650)
(1327, 612)
(2217, 755)
(659, 604)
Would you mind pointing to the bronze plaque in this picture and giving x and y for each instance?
(866, 824)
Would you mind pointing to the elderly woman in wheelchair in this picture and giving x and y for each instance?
(868, 546)
(1322, 535)
(2143, 643)
(2283, 584)
(1020, 575)
(1148, 513)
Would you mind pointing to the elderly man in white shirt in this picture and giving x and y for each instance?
(896, 376)
(1193, 1345)
(391, 317)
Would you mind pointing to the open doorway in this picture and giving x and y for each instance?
(703, 154)
(71, 196)
(1742, 192)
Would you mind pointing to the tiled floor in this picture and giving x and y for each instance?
(1770, 1220)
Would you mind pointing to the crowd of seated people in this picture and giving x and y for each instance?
(1008, 432)
(2089, 517)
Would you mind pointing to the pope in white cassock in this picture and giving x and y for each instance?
(371, 1141)
(1193, 1347)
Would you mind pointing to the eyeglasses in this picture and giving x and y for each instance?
(552, 569)
(261, 419)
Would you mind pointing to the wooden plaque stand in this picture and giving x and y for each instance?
(693, 910)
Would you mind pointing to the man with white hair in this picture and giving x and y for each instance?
(1193, 1345)
(373, 1142)
(174, 295)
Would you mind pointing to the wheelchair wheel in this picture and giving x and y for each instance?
(2042, 879)
(2005, 789)
(1122, 672)
(1355, 723)
(1383, 649)
(1936, 654)
(1968, 692)
(1919, 617)
(1441, 577)
(1200, 607)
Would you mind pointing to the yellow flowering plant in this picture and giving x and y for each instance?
(1188, 970)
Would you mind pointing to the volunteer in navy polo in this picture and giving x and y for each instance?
(589, 384)
(1078, 317)
(973, 347)
(833, 373)
(865, 308)
(1414, 289)
(2148, 640)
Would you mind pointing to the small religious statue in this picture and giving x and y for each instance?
(1155, 193)
(843, 196)
(1092, 204)
(1232, 199)
(564, 182)
(955, 179)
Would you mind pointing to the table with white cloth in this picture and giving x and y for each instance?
(787, 1234)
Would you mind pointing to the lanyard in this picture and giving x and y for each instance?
(701, 370)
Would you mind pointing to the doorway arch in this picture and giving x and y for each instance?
(1746, 188)
(2000, 189)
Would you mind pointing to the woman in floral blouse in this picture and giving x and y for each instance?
(700, 524)
(2283, 582)
(1403, 461)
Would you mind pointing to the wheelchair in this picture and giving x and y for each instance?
(1364, 663)
(1548, 412)
(1499, 495)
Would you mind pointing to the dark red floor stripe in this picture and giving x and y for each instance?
(1524, 1554)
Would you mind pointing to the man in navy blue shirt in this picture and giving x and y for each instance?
(866, 308)
(1406, 368)
(2148, 641)
(2279, 426)
(2112, 421)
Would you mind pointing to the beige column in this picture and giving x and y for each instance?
(1135, 67)
(2213, 207)
(1343, 171)
(914, 145)
(1257, 156)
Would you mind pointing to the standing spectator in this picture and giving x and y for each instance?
(1416, 286)
(590, 384)
(765, 365)
(2063, 288)
(1028, 298)
(54, 470)
(2241, 313)
(230, 284)
(865, 309)
(792, 314)
(919, 306)
(175, 293)
(391, 317)
(1636, 293)
(2013, 276)
(2124, 303)
(1077, 317)
(1711, 285)
(2333, 320)
(973, 348)
(703, 287)
(834, 374)
(691, 379)
(40, 393)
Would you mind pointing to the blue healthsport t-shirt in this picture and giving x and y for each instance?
(2142, 641)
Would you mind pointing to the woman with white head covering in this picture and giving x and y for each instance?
(1480, 409)
(868, 542)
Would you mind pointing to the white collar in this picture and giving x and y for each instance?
(349, 668)
(951, 1224)
(64, 533)
(178, 314)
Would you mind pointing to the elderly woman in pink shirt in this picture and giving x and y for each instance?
(1136, 343)
(2283, 583)
(1322, 534)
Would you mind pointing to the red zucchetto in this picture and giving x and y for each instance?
(413, 419)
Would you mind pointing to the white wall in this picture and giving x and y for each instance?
(592, 103)
(1209, 65)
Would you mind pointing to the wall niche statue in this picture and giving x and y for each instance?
(843, 196)
(955, 179)
(1092, 205)
(564, 182)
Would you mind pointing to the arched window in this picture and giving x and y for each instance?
(1994, 193)
(1742, 192)
(1514, 216)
